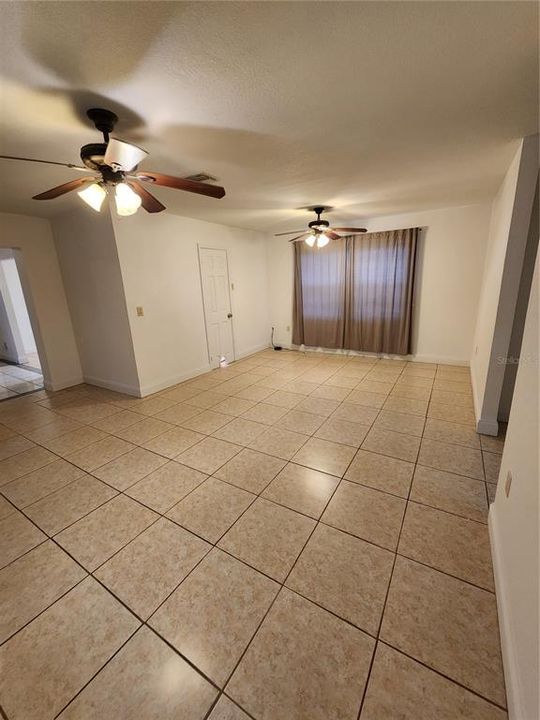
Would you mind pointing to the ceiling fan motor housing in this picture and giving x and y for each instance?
(92, 155)
(319, 224)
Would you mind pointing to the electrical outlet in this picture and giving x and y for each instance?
(140, 311)
(288, 328)
(508, 483)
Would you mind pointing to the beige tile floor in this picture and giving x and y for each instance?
(294, 537)
(19, 379)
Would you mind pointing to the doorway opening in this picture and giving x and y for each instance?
(20, 366)
(218, 315)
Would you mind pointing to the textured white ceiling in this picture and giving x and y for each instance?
(371, 107)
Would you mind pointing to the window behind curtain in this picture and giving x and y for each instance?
(356, 293)
(320, 295)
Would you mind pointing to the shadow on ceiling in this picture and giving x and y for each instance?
(129, 123)
(109, 41)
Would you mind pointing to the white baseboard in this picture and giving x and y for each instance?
(61, 384)
(511, 675)
(112, 385)
(487, 427)
(438, 359)
(484, 426)
(252, 350)
(169, 382)
(17, 359)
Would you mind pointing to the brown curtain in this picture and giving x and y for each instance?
(356, 293)
(320, 294)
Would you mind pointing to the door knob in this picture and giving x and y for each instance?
(229, 315)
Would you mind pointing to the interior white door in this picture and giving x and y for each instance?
(217, 304)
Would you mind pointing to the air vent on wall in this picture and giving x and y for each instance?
(201, 177)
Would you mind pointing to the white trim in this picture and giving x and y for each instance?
(112, 385)
(137, 391)
(487, 427)
(475, 396)
(164, 384)
(437, 359)
(252, 351)
(62, 384)
(508, 649)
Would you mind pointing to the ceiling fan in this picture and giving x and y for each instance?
(112, 164)
(320, 231)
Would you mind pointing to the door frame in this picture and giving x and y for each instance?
(206, 247)
(17, 254)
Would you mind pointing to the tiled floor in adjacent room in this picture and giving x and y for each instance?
(295, 536)
(19, 379)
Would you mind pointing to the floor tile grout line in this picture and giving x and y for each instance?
(235, 702)
(91, 471)
(302, 550)
(43, 610)
(118, 650)
(383, 610)
(271, 501)
(441, 674)
(210, 435)
(160, 516)
(130, 610)
(282, 585)
(212, 545)
(164, 516)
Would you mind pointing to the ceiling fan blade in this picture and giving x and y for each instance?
(303, 235)
(63, 189)
(150, 203)
(331, 235)
(181, 184)
(350, 230)
(290, 232)
(47, 162)
(124, 156)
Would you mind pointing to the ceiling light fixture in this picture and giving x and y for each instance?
(93, 195)
(320, 230)
(127, 201)
(114, 163)
(322, 240)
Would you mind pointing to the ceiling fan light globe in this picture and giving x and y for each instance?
(93, 195)
(127, 201)
(310, 240)
(322, 240)
(123, 156)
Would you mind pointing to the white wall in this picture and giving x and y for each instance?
(160, 269)
(514, 531)
(11, 341)
(11, 346)
(450, 261)
(41, 281)
(88, 258)
(11, 277)
(508, 230)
